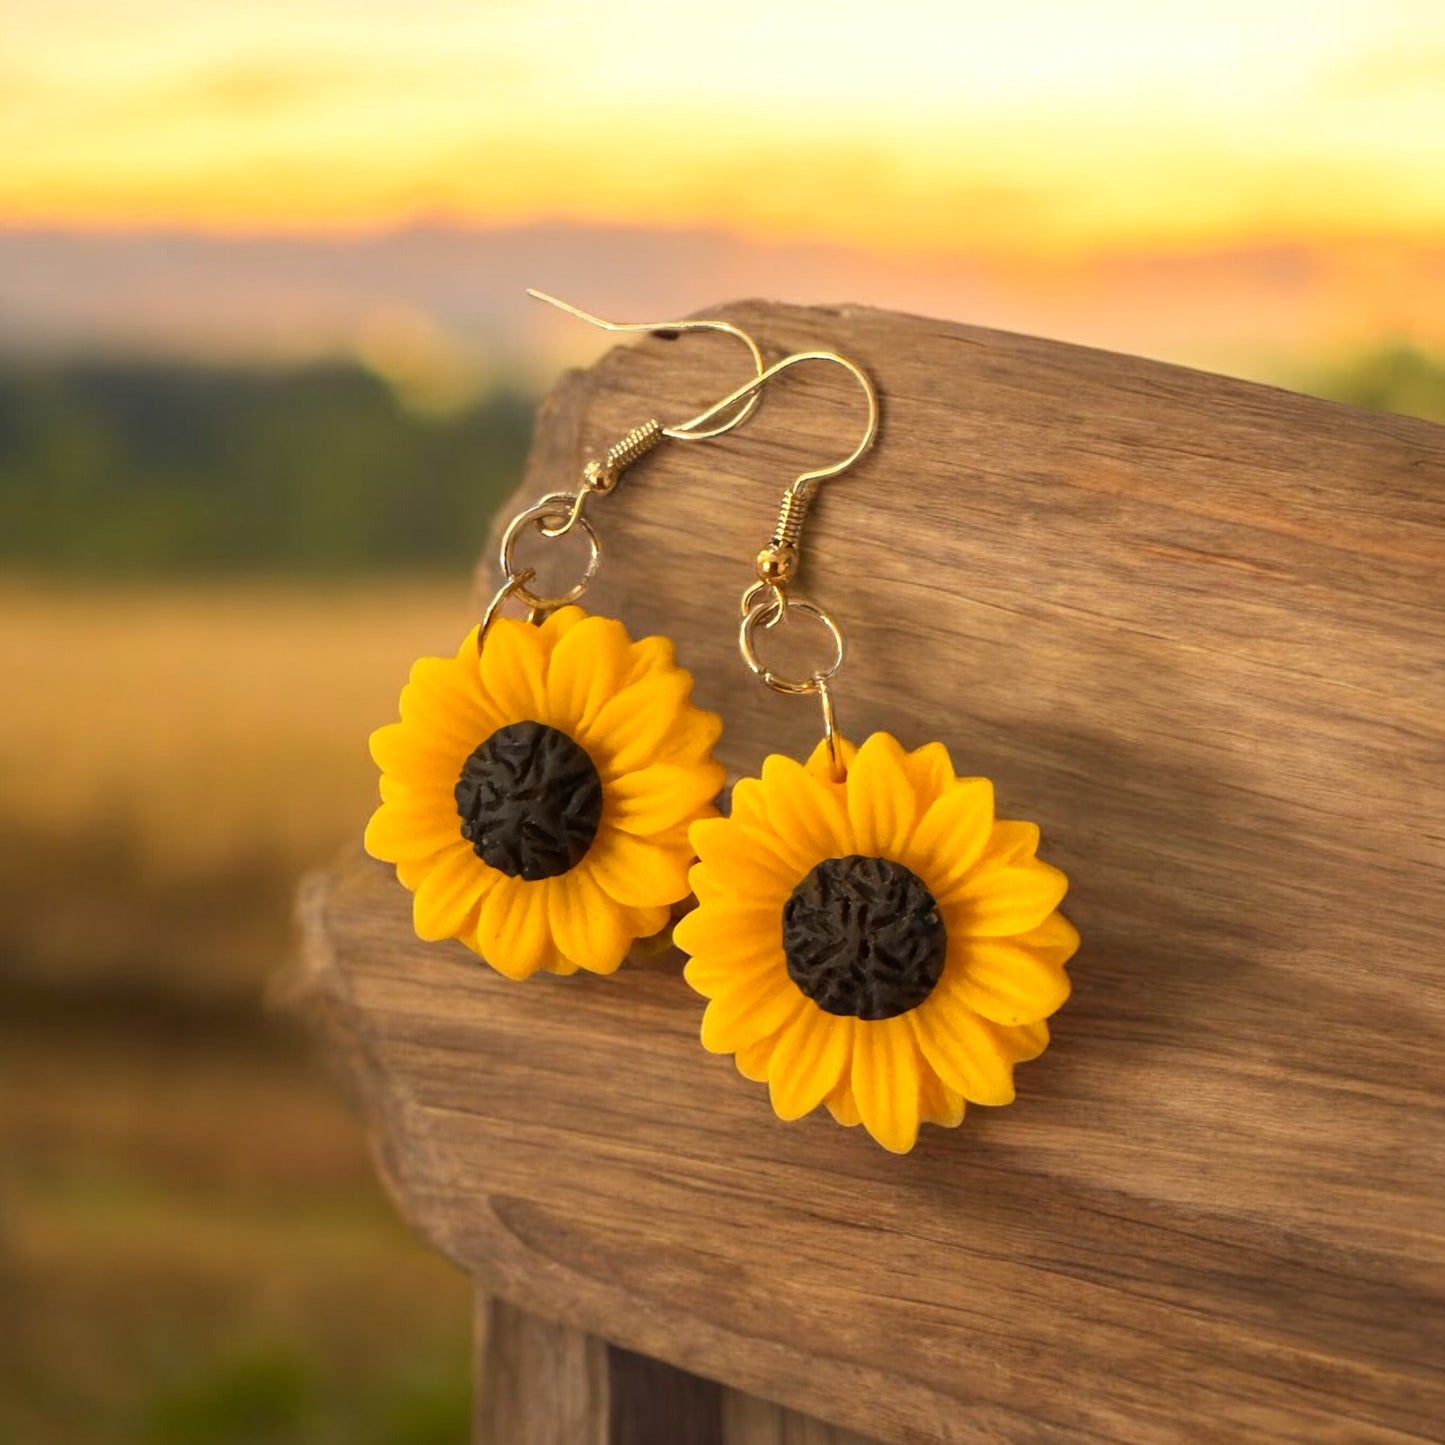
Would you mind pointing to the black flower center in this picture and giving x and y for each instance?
(864, 938)
(530, 801)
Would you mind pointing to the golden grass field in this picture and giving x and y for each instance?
(166, 743)
(192, 1247)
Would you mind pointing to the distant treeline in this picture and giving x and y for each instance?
(149, 468)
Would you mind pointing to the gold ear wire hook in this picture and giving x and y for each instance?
(560, 512)
(602, 476)
(685, 432)
(778, 561)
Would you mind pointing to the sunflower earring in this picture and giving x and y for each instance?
(538, 789)
(870, 937)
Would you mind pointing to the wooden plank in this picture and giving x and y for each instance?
(652, 1403)
(1193, 627)
(544, 1383)
(537, 1382)
(748, 1420)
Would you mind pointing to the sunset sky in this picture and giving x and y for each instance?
(1037, 133)
(1044, 123)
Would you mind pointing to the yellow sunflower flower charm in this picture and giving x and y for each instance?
(536, 798)
(880, 944)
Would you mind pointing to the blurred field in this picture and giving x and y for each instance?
(192, 1247)
(171, 758)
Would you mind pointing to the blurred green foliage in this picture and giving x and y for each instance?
(117, 468)
(278, 1394)
(259, 1396)
(1393, 378)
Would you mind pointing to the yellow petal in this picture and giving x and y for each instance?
(952, 835)
(635, 871)
(748, 805)
(691, 738)
(512, 671)
(735, 859)
(628, 730)
(842, 1105)
(676, 836)
(1021, 1043)
(937, 1103)
(585, 672)
(1055, 939)
(556, 626)
(438, 797)
(443, 707)
(727, 923)
(808, 819)
(415, 755)
(1012, 842)
(995, 901)
(732, 931)
(752, 1061)
(820, 762)
(410, 871)
(962, 1049)
(742, 1016)
(1006, 981)
(649, 654)
(507, 928)
(453, 680)
(661, 796)
(881, 804)
(713, 891)
(885, 1081)
(400, 832)
(643, 923)
(713, 976)
(530, 940)
(929, 771)
(492, 917)
(808, 1059)
(447, 898)
(748, 814)
(589, 927)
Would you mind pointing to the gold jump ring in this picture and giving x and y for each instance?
(794, 686)
(554, 508)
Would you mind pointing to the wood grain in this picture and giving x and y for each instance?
(538, 1382)
(544, 1383)
(1194, 628)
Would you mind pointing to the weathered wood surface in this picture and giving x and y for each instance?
(1195, 628)
(544, 1383)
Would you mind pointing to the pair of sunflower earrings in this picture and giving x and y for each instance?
(868, 935)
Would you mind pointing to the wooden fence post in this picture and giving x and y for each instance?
(1196, 628)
